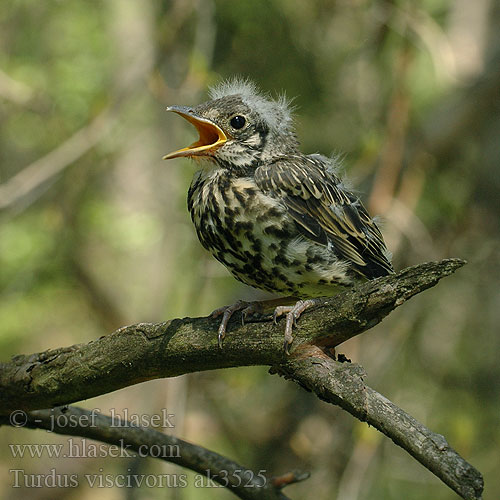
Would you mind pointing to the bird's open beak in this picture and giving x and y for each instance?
(211, 135)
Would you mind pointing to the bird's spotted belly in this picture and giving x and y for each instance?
(254, 237)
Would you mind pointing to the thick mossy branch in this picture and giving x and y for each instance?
(146, 351)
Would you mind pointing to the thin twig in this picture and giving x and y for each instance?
(14, 90)
(41, 171)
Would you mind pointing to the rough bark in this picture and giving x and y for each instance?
(342, 384)
(135, 441)
(146, 351)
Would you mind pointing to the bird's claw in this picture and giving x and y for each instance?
(292, 314)
(220, 336)
(227, 312)
(250, 309)
(246, 309)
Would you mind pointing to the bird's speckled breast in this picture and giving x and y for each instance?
(251, 233)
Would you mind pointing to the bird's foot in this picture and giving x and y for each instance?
(292, 315)
(227, 311)
(247, 309)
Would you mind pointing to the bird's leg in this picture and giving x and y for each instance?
(227, 312)
(246, 308)
(292, 315)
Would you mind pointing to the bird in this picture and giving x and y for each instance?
(278, 219)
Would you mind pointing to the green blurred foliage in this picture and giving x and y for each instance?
(406, 92)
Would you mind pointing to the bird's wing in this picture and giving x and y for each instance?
(325, 211)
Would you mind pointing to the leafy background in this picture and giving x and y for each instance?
(94, 231)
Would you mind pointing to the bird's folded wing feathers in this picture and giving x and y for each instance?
(325, 211)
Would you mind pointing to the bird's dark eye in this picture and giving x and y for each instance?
(237, 121)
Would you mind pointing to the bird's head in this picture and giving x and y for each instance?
(238, 128)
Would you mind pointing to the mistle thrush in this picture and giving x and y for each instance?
(278, 219)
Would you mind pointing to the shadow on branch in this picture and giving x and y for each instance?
(146, 351)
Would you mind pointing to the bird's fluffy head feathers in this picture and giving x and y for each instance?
(276, 113)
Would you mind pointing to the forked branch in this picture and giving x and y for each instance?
(144, 351)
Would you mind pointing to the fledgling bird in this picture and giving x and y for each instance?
(278, 219)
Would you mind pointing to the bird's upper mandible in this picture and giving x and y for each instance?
(238, 127)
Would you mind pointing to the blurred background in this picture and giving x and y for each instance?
(95, 233)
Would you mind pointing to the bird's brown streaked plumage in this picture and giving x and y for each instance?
(325, 211)
(279, 220)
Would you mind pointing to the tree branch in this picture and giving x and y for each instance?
(342, 384)
(243, 482)
(146, 351)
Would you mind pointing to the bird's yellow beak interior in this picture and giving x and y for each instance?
(211, 135)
